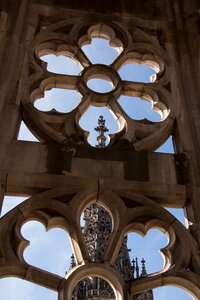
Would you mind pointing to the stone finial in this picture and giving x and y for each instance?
(101, 129)
(144, 272)
(73, 262)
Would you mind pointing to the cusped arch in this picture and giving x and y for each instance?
(103, 271)
(147, 214)
(178, 252)
(51, 213)
(184, 279)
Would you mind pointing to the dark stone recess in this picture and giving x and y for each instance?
(183, 168)
(148, 9)
(59, 159)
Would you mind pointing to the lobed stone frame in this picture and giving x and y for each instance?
(135, 46)
(174, 26)
(181, 254)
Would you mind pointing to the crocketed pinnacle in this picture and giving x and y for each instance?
(101, 129)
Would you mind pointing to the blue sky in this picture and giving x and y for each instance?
(41, 252)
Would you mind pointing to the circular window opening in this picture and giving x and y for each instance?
(100, 85)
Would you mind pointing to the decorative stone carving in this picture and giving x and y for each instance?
(144, 214)
(162, 34)
(64, 127)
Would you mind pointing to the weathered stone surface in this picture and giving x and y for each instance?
(62, 174)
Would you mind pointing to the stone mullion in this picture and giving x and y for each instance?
(82, 58)
(1, 197)
(120, 114)
(119, 61)
(188, 123)
(44, 278)
(32, 274)
(131, 88)
(10, 71)
(190, 114)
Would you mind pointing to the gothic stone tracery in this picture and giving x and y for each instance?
(62, 174)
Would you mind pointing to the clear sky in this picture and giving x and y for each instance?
(41, 252)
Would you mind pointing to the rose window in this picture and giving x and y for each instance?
(57, 100)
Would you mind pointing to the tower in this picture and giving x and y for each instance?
(62, 174)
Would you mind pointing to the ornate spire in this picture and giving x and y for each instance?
(73, 262)
(146, 295)
(137, 268)
(96, 232)
(144, 272)
(101, 129)
(133, 268)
